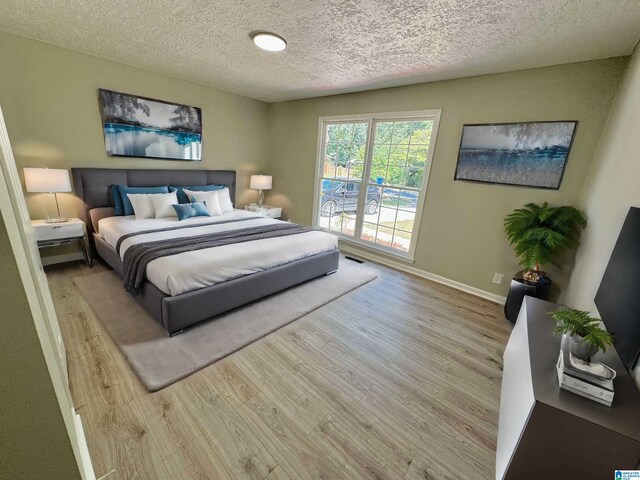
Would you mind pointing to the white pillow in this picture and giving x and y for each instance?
(225, 200)
(142, 205)
(163, 204)
(210, 199)
(191, 193)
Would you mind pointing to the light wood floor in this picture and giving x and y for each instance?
(399, 379)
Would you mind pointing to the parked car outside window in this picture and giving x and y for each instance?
(342, 196)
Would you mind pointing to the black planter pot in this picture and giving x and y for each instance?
(521, 287)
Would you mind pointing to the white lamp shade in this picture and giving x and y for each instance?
(261, 182)
(47, 180)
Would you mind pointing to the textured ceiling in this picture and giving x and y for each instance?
(335, 46)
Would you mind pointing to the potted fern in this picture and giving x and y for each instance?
(581, 333)
(539, 233)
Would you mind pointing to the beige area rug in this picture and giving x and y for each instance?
(160, 361)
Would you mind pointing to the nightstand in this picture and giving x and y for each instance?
(265, 211)
(57, 234)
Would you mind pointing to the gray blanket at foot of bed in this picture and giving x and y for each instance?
(137, 257)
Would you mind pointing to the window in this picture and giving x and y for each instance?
(372, 177)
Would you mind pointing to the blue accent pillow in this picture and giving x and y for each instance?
(118, 208)
(183, 198)
(127, 208)
(188, 210)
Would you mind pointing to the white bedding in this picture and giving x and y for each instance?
(188, 271)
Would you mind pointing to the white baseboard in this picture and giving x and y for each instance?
(423, 274)
(85, 459)
(67, 257)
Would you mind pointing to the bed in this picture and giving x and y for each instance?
(182, 290)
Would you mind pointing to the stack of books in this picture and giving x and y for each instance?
(584, 384)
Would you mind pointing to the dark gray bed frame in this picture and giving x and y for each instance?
(92, 187)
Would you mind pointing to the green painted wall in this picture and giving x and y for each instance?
(49, 96)
(461, 236)
(50, 103)
(34, 441)
(612, 187)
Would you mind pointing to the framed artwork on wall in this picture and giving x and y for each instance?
(143, 127)
(530, 154)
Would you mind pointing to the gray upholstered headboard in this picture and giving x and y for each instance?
(92, 186)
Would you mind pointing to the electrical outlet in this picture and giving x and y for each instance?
(497, 278)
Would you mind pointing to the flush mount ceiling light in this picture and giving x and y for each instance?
(269, 41)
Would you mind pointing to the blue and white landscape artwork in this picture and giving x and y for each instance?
(142, 127)
(530, 154)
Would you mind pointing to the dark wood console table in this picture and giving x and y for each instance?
(548, 433)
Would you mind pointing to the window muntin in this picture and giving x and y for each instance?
(342, 172)
(394, 155)
(398, 167)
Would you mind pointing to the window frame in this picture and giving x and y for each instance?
(371, 119)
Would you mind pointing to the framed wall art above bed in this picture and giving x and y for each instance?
(143, 127)
(530, 154)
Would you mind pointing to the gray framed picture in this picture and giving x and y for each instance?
(530, 154)
(143, 127)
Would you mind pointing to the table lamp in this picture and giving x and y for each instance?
(48, 180)
(261, 182)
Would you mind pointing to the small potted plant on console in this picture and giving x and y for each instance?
(582, 338)
(581, 334)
